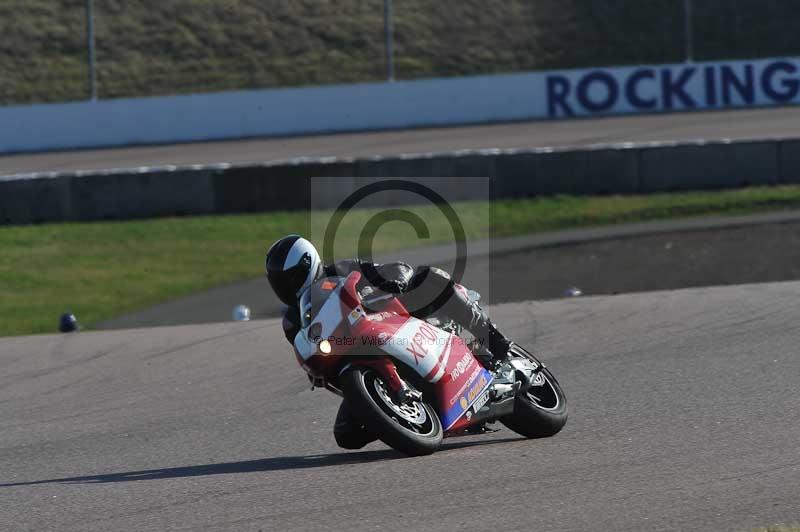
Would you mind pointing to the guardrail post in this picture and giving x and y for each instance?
(688, 30)
(90, 45)
(388, 30)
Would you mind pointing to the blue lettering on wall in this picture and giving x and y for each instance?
(610, 86)
(710, 79)
(672, 89)
(558, 89)
(745, 88)
(632, 89)
(790, 86)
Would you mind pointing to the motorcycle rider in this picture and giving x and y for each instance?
(293, 265)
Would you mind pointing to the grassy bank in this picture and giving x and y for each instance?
(147, 48)
(99, 270)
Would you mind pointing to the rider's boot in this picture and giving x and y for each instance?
(348, 431)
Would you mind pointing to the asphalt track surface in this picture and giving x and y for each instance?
(739, 124)
(684, 416)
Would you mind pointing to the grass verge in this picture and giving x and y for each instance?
(103, 269)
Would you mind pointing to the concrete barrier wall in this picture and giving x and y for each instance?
(789, 162)
(717, 165)
(402, 104)
(624, 169)
(242, 114)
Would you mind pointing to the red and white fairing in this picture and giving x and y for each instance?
(460, 382)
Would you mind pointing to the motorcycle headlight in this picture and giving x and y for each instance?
(325, 347)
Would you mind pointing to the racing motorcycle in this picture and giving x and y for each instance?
(412, 382)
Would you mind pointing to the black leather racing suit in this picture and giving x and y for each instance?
(420, 292)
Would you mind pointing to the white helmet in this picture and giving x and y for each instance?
(292, 265)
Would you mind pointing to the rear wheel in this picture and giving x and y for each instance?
(412, 428)
(541, 411)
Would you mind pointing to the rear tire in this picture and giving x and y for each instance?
(540, 412)
(413, 429)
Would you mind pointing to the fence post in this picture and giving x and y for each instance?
(688, 30)
(90, 45)
(388, 30)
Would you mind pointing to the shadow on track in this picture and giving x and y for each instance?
(279, 463)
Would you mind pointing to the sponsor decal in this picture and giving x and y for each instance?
(668, 87)
(466, 384)
(421, 341)
(356, 314)
(470, 402)
(380, 316)
(480, 402)
(328, 285)
(461, 366)
(476, 389)
(419, 345)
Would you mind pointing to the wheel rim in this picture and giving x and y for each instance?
(543, 393)
(413, 416)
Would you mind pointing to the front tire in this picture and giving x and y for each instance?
(541, 411)
(413, 428)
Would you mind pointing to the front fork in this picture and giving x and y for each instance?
(384, 367)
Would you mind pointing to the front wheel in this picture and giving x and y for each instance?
(541, 411)
(412, 428)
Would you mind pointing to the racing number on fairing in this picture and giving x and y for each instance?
(421, 341)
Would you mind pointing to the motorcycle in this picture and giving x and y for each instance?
(412, 382)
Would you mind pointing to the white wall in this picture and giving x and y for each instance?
(401, 104)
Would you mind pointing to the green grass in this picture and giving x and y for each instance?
(100, 270)
(180, 46)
